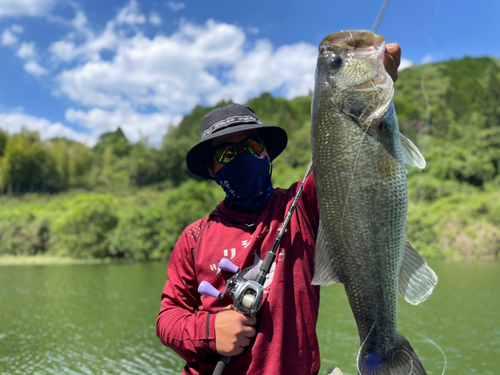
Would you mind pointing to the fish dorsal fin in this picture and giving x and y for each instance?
(324, 274)
(416, 279)
(411, 154)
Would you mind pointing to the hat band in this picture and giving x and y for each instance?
(228, 122)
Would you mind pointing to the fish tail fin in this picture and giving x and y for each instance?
(401, 360)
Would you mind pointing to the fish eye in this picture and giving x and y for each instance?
(335, 62)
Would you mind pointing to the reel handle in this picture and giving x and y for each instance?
(226, 265)
(206, 289)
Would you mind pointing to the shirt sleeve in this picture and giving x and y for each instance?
(180, 325)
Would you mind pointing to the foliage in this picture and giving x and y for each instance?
(137, 199)
(151, 232)
(82, 232)
(24, 236)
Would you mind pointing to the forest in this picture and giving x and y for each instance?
(119, 200)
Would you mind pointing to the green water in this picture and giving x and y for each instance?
(100, 319)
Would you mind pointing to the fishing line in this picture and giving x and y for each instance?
(427, 125)
(364, 342)
(361, 347)
(442, 352)
(352, 178)
(351, 181)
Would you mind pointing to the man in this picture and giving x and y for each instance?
(237, 150)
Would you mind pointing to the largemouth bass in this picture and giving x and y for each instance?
(359, 159)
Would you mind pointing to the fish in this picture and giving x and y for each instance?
(359, 162)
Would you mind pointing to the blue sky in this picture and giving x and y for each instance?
(78, 68)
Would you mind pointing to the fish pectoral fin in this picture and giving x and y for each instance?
(416, 279)
(324, 274)
(411, 154)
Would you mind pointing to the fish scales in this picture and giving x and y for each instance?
(360, 179)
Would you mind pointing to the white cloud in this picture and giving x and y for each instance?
(26, 50)
(63, 50)
(263, 69)
(405, 63)
(67, 50)
(252, 30)
(427, 59)
(9, 36)
(197, 64)
(17, 29)
(15, 120)
(26, 7)
(168, 73)
(135, 125)
(130, 14)
(175, 6)
(80, 20)
(154, 18)
(34, 68)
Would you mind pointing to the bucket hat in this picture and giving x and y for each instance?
(226, 120)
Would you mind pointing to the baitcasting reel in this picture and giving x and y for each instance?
(246, 294)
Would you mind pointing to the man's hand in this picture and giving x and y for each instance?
(392, 59)
(233, 331)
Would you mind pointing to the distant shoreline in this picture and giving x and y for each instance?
(44, 260)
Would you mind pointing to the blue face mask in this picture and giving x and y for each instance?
(246, 181)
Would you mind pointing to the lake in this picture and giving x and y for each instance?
(100, 319)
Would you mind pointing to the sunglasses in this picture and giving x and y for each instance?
(224, 153)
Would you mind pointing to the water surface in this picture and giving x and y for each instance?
(100, 319)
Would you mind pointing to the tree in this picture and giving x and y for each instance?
(3, 141)
(27, 165)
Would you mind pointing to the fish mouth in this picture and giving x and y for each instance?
(352, 39)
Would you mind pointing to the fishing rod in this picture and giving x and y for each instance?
(380, 15)
(247, 295)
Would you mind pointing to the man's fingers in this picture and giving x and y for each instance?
(392, 59)
(249, 331)
(394, 50)
(244, 342)
(250, 320)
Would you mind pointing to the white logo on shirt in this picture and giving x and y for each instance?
(215, 267)
(233, 253)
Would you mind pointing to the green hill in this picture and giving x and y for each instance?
(124, 200)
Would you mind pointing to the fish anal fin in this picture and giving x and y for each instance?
(324, 273)
(411, 154)
(416, 279)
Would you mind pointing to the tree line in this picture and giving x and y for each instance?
(119, 199)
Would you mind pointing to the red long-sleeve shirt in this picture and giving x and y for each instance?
(286, 341)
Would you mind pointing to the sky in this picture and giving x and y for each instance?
(79, 68)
